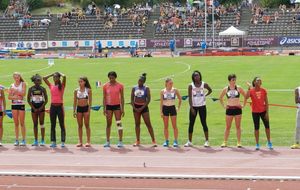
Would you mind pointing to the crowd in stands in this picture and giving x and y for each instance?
(175, 16)
(264, 15)
(16, 8)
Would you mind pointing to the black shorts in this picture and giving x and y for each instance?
(169, 111)
(18, 107)
(37, 106)
(1, 114)
(113, 107)
(82, 109)
(145, 110)
(233, 111)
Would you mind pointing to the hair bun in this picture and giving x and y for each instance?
(144, 74)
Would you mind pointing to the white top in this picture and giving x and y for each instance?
(198, 95)
(18, 89)
(82, 95)
(169, 97)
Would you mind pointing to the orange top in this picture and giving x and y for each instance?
(113, 93)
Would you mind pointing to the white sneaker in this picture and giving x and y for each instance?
(206, 144)
(188, 144)
(0, 143)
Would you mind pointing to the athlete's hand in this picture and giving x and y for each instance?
(74, 114)
(123, 113)
(248, 84)
(104, 112)
(161, 114)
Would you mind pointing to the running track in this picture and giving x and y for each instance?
(147, 168)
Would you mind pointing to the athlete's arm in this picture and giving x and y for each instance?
(222, 96)
(29, 98)
(104, 103)
(161, 102)
(45, 96)
(122, 101)
(190, 96)
(64, 81)
(90, 98)
(179, 98)
(244, 94)
(208, 88)
(297, 99)
(132, 98)
(74, 103)
(45, 78)
(3, 101)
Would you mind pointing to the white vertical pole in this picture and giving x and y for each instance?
(205, 20)
(213, 23)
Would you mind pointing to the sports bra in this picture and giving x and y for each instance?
(140, 92)
(232, 93)
(169, 97)
(82, 95)
(19, 89)
(37, 95)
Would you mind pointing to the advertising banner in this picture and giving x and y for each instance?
(260, 42)
(24, 44)
(289, 41)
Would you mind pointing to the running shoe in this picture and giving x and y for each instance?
(166, 143)
(62, 145)
(0, 143)
(120, 144)
(188, 144)
(154, 144)
(42, 143)
(239, 145)
(295, 146)
(79, 145)
(175, 143)
(16, 143)
(23, 143)
(87, 145)
(206, 144)
(137, 143)
(270, 145)
(257, 147)
(35, 143)
(106, 145)
(53, 145)
(224, 144)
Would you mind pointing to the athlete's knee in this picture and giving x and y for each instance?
(119, 125)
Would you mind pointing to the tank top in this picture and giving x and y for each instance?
(37, 95)
(169, 97)
(19, 89)
(198, 95)
(82, 95)
(232, 93)
(140, 92)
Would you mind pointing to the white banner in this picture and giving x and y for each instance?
(24, 44)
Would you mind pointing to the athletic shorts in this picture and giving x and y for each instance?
(18, 107)
(82, 109)
(37, 106)
(169, 111)
(113, 107)
(233, 111)
(1, 114)
(145, 110)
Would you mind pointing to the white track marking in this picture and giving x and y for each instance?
(174, 74)
(149, 176)
(32, 71)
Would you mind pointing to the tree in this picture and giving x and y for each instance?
(4, 4)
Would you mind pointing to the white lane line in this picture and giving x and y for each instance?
(86, 187)
(151, 165)
(149, 176)
(174, 74)
(32, 71)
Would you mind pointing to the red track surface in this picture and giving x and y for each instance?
(205, 162)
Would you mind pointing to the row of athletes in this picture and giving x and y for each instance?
(113, 104)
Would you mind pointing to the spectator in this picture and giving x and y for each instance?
(49, 13)
(276, 15)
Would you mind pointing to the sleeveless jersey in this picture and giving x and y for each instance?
(140, 92)
(19, 89)
(37, 95)
(198, 95)
(169, 97)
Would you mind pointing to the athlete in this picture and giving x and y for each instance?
(260, 109)
(140, 99)
(16, 94)
(233, 108)
(113, 102)
(297, 134)
(37, 98)
(56, 109)
(197, 103)
(81, 107)
(2, 112)
(168, 109)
